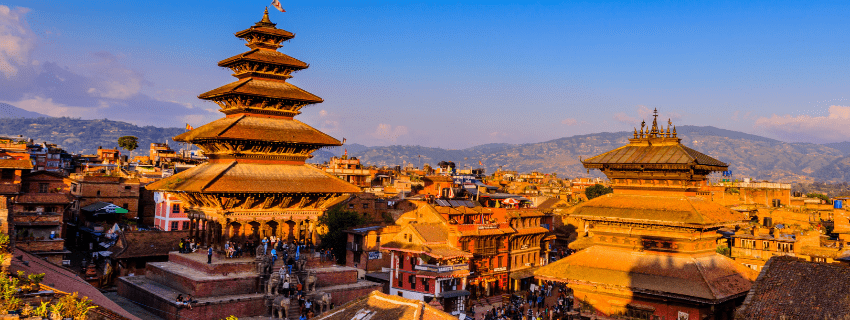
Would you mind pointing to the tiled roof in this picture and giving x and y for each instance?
(135, 244)
(654, 154)
(664, 210)
(65, 280)
(237, 177)
(532, 230)
(267, 30)
(259, 128)
(441, 251)
(431, 232)
(263, 88)
(794, 289)
(15, 164)
(266, 56)
(382, 306)
(709, 277)
(59, 198)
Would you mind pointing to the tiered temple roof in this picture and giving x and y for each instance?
(258, 151)
(654, 235)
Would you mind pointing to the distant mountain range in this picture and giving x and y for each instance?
(747, 155)
(76, 135)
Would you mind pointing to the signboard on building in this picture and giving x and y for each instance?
(374, 255)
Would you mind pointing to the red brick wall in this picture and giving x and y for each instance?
(208, 288)
(338, 298)
(232, 267)
(324, 279)
(41, 246)
(167, 309)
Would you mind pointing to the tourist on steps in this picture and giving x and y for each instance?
(209, 255)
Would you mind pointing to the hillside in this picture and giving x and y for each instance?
(747, 155)
(10, 111)
(84, 136)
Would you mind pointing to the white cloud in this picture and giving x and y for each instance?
(16, 40)
(569, 121)
(48, 107)
(623, 118)
(323, 113)
(388, 132)
(834, 127)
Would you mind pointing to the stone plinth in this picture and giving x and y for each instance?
(198, 261)
(199, 284)
(162, 301)
(335, 275)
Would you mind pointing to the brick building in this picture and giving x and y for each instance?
(425, 267)
(121, 191)
(169, 214)
(40, 212)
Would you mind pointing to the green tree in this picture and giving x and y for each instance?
(128, 143)
(596, 190)
(336, 220)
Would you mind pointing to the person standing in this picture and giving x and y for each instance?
(209, 255)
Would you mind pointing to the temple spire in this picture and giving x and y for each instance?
(265, 22)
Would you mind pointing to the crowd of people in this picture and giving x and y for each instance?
(532, 305)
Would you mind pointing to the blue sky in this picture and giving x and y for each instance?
(449, 74)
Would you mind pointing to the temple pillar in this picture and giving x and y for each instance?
(191, 228)
(312, 233)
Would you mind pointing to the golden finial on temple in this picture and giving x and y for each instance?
(265, 22)
(636, 134)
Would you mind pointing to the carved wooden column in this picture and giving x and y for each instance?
(312, 233)
(191, 228)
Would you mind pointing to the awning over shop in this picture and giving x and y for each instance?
(453, 294)
(524, 273)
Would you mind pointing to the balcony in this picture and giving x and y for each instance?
(352, 246)
(37, 219)
(48, 245)
(440, 269)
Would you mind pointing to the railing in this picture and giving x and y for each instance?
(353, 246)
(436, 268)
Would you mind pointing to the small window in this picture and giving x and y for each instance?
(173, 226)
(127, 188)
(73, 188)
(98, 193)
(175, 208)
(426, 285)
(412, 280)
(125, 205)
(400, 263)
(365, 206)
(43, 188)
(185, 225)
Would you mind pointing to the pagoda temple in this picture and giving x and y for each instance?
(256, 183)
(653, 241)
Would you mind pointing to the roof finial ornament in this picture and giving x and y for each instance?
(636, 133)
(654, 131)
(674, 131)
(265, 22)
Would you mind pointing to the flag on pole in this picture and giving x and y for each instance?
(276, 4)
(188, 127)
(480, 163)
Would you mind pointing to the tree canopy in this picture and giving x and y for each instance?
(128, 143)
(336, 220)
(596, 190)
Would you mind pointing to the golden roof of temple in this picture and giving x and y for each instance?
(241, 127)
(654, 148)
(237, 177)
(708, 277)
(674, 210)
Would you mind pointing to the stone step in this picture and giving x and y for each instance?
(189, 280)
(198, 262)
